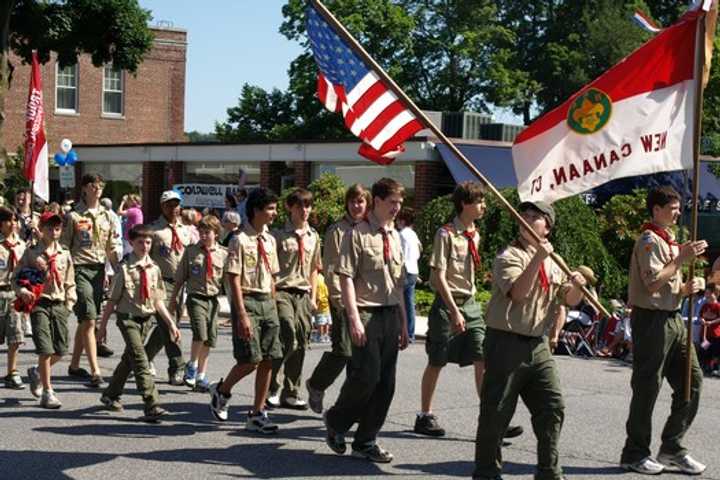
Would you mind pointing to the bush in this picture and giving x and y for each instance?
(328, 202)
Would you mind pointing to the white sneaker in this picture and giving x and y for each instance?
(273, 401)
(153, 372)
(684, 463)
(259, 422)
(646, 466)
(218, 402)
(49, 400)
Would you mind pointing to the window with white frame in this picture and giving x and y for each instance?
(112, 91)
(66, 88)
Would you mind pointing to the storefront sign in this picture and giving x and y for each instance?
(202, 195)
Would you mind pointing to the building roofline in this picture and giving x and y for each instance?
(164, 28)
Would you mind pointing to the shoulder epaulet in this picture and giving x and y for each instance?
(446, 229)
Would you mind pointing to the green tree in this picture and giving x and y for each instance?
(194, 136)
(109, 30)
(328, 202)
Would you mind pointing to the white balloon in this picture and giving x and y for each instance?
(65, 145)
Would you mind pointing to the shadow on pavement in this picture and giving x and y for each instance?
(30, 464)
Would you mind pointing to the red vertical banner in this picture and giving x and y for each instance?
(36, 149)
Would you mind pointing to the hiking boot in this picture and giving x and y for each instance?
(646, 466)
(153, 414)
(103, 351)
(427, 424)
(96, 381)
(259, 422)
(315, 398)
(79, 373)
(35, 383)
(684, 463)
(333, 439)
(294, 403)
(14, 381)
(374, 453)
(176, 378)
(513, 431)
(49, 400)
(218, 401)
(190, 374)
(112, 404)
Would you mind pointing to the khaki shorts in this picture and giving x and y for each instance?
(443, 346)
(11, 322)
(50, 327)
(265, 342)
(203, 318)
(89, 281)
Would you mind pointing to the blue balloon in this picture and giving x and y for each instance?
(60, 159)
(72, 157)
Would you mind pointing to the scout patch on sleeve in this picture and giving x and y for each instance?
(647, 238)
(164, 251)
(3, 264)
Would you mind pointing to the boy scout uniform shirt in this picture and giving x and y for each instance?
(650, 255)
(162, 252)
(377, 282)
(451, 253)
(7, 268)
(244, 259)
(65, 292)
(528, 317)
(126, 289)
(89, 235)
(292, 273)
(193, 269)
(331, 255)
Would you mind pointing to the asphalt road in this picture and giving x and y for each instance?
(81, 441)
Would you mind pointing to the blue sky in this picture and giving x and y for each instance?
(229, 43)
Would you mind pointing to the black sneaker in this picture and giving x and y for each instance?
(14, 381)
(374, 453)
(79, 373)
(104, 351)
(333, 439)
(513, 431)
(153, 414)
(427, 424)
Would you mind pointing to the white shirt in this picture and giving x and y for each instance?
(411, 249)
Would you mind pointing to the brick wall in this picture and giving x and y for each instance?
(302, 173)
(152, 188)
(432, 179)
(271, 175)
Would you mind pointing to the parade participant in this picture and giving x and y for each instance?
(659, 337)
(49, 304)
(11, 321)
(298, 251)
(372, 275)
(27, 218)
(90, 235)
(456, 329)
(332, 363)
(170, 237)
(527, 288)
(136, 296)
(252, 263)
(202, 268)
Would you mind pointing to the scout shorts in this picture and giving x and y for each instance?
(89, 280)
(50, 327)
(11, 322)
(203, 318)
(265, 342)
(443, 346)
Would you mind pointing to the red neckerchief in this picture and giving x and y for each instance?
(301, 249)
(662, 233)
(470, 235)
(208, 264)
(386, 244)
(542, 274)
(52, 267)
(263, 253)
(144, 284)
(175, 244)
(13, 256)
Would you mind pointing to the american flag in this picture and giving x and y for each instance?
(347, 85)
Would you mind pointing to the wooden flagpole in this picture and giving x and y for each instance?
(342, 31)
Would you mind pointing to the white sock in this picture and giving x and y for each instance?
(194, 364)
(201, 376)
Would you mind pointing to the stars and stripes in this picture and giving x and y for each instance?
(348, 86)
(645, 22)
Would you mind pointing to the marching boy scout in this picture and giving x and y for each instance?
(332, 363)
(202, 268)
(137, 295)
(252, 263)
(51, 307)
(90, 235)
(456, 327)
(527, 287)
(298, 250)
(372, 276)
(170, 237)
(659, 338)
(11, 321)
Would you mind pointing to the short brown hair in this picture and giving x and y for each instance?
(140, 231)
(660, 197)
(300, 196)
(210, 222)
(407, 216)
(91, 178)
(385, 187)
(467, 193)
(355, 191)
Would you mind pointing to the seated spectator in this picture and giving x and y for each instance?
(620, 343)
(710, 320)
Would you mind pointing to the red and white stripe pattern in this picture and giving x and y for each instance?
(645, 22)
(36, 149)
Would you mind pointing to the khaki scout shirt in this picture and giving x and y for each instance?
(451, 254)
(244, 259)
(65, 292)
(331, 256)
(650, 255)
(192, 269)
(89, 235)
(126, 289)
(6, 274)
(361, 258)
(529, 317)
(292, 274)
(162, 253)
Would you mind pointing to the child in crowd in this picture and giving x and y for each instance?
(321, 317)
(710, 320)
(202, 267)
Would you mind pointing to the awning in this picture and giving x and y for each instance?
(493, 162)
